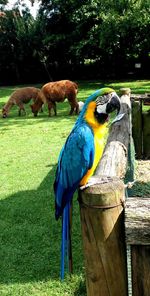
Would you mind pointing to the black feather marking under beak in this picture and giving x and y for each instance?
(114, 104)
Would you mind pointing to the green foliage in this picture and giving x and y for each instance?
(99, 29)
(113, 34)
(17, 44)
(3, 2)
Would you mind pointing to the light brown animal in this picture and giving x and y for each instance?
(20, 97)
(57, 92)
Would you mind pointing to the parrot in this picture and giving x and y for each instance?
(79, 158)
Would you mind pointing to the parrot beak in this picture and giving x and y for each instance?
(102, 110)
(113, 104)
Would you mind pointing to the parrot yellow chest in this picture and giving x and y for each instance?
(99, 132)
(99, 147)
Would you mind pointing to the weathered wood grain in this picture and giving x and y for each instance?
(146, 135)
(137, 221)
(101, 210)
(137, 128)
(140, 258)
(140, 97)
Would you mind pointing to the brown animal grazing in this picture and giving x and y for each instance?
(38, 104)
(57, 92)
(20, 97)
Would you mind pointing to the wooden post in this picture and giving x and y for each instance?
(137, 127)
(146, 135)
(137, 224)
(140, 260)
(101, 209)
(138, 118)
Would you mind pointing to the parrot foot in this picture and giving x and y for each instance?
(96, 180)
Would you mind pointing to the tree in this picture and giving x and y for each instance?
(73, 38)
(19, 41)
(109, 33)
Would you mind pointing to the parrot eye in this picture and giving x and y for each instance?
(99, 99)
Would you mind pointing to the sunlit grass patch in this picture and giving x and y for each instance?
(29, 234)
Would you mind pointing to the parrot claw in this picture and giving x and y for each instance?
(96, 180)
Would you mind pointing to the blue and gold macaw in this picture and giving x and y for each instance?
(80, 156)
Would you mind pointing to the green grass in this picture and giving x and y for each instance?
(29, 234)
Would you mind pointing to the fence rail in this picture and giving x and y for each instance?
(137, 225)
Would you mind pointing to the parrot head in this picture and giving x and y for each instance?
(98, 106)
(106, 104)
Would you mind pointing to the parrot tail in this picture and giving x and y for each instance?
(66, 246)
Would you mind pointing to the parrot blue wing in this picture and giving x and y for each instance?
(76, 158)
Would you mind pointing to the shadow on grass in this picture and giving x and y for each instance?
(30, 236)
(140, 189)
(29, 119)
(81, 289)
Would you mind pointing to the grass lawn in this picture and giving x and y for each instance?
(29, 234)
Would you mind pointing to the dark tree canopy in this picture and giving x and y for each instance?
(75, 39)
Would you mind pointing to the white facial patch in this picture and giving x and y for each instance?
(102, 102)
(101, 108)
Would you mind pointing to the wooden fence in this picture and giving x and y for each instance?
(137, 224)
(141, 125)
(102, 219)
